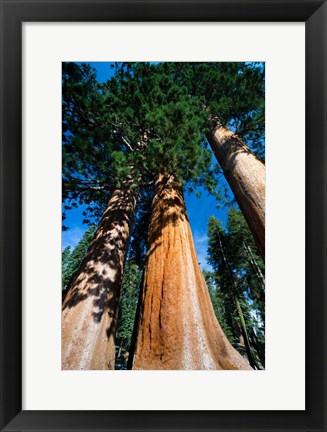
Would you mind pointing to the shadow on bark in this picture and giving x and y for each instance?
(100, 272)
(168, 208)
(229, 150)
(170, 211)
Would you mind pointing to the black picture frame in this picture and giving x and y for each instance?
(13, 14)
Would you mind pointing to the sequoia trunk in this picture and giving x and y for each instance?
(90, 309)
(245, 174)
(178, 328)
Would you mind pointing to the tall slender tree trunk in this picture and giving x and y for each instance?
(90, 309)
(132, 347)
(245, 174)
(245, 333)
(178, 328)
(258, 347)
(255, 265)
(233, 286)
(240, 336)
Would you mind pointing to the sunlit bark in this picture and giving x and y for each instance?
(245, 174)
(178, 328)
(90, 309)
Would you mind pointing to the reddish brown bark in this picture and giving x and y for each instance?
(90, 309)
(178, 328)
(245, 174)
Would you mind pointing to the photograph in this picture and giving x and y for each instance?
(163, 216)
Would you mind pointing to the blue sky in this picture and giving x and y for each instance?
(199, 209)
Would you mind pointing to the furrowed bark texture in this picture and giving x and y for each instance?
(178, 328)
(90, 309)
(246, 176)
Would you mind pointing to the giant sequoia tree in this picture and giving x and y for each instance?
(245, 174)
(170, 337)
(178, 328)
(145, 125)
(244, 171)
(233, 98)
(90, 151)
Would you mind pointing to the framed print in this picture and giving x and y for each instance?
(45, 44)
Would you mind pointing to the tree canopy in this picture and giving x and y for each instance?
(151, 118)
